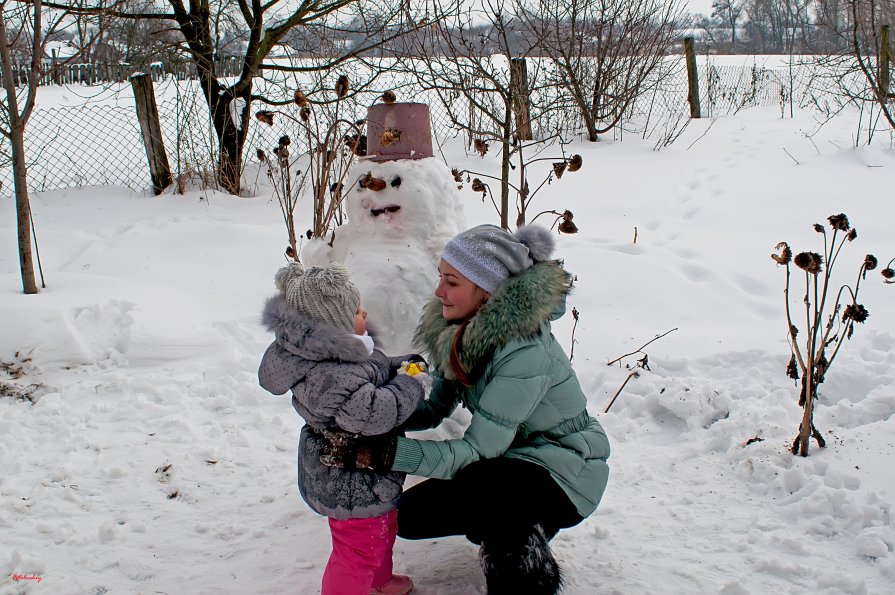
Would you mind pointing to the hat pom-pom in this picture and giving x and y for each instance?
(287, 274)
(332, 279)
(539, 241)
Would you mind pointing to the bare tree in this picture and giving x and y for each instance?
(25, 25)
(729, 13)
(856, 73)
(265, 25)
(779, 25)
(709, 26)
(605, 53)
(868, 16)
(831, 19)
(134, 41)
(465, 62)
(766, 25)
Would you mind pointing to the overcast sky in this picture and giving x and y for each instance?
(700, 6)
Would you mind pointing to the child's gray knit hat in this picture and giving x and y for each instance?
(488, 255)
(324, 294)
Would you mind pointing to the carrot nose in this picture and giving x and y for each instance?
(370, 183)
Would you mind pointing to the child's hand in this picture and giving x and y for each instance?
(412, 368)
(418, 371)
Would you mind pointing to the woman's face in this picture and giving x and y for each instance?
(460, 297)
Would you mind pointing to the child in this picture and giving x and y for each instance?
(340, 383)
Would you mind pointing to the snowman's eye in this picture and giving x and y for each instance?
(396, 182)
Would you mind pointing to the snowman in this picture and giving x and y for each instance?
(402, 210)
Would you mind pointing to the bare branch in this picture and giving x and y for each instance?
(640, 349)
(633, 374)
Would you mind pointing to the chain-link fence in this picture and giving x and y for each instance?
(101, 145)
(90, 145)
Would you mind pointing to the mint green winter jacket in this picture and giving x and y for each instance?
(526, 402)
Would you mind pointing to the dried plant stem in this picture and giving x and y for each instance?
(831, 260)
(844, 332)
(336, 202)
(807, 425)
(40, 269)
(326, 171)
(639, 350)
(814, 433)
(815, 365)
(552, 212)
(634, 374)
(808, 393)
(791, 157)
(807, 302)
(792, 333)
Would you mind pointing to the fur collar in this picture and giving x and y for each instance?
(307, 338)
(515, 311)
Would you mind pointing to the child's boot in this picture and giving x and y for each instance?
(397, 585)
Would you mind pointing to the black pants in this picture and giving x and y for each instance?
(489, 500)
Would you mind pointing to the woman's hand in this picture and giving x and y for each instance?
(351, 451)
(417, 371)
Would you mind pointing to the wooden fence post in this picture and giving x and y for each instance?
(147, 114)
(521, 103)
(884, 57)
(692, 78)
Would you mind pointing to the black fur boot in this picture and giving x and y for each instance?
(524, 565)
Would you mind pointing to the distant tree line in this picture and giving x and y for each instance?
(593, 56)
(602, 54)
(791, 26)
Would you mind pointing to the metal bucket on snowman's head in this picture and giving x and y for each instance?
(398, 131)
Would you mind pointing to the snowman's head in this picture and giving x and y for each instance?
(406, 198)
(378, 204)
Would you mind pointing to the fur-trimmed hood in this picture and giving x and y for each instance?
(308, 338)
(517, 310)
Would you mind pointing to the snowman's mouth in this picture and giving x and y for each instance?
(389, 209)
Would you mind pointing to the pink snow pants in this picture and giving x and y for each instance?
(362, 554)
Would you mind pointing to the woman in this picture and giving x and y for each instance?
(532, 460)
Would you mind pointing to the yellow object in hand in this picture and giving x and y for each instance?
(414, 368)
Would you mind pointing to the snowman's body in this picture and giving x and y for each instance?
(393, 240)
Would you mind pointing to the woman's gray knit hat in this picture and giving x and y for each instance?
(488, 255)
(324, 294)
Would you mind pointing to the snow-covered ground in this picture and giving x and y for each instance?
(151, 462)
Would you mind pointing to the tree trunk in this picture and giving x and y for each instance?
(591, 115)
(883, 64)
(231, 141)
(23, 208)
(521, 101)
(231, 135)
(505, 169)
